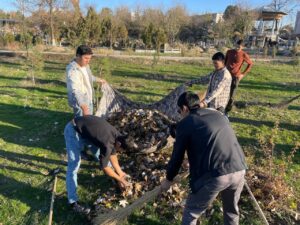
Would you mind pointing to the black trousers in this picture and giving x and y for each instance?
(234, 85)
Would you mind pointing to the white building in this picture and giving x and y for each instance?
(217, 17)
(133, 16)
(297, 24)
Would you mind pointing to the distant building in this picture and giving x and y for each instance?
(218, 17)
(267, 27)
(133, 16)
(8, 25)
(270, 21)
(212, 17)
(297, 24)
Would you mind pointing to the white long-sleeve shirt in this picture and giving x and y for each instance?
(79, 85)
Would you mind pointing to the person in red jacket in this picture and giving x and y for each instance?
(234, 60)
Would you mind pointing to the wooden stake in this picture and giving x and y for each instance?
(52, 200)
(261, 213)
(117, 217)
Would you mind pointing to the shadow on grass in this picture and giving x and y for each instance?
(287, 126)
(36, 89)
(50, 66)
(285, 86)
(38, 200)
(150, 76)
(7, 63)
(294, 107)
(54, 69)
(32, 127)
(279, 148)
(37, 80)
(25, 193)
(30, 160)
(12, 93)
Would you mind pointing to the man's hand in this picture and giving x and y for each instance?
(241, 76)
(124, 184)
(185, 164)
(85, 110)
(101, 81)
(203, 104)
(165, 185)
(123, 174)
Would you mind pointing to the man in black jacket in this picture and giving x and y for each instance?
(217, 162)
(104, 140)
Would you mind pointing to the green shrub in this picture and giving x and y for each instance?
(6, 39)
(37, 40)
(34, 63)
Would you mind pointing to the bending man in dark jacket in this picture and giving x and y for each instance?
(104, 141)
(217, 163)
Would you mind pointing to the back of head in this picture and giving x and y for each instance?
(219, 56)
(84, 50)
(240, 42)
(123, 141)
(189, 99)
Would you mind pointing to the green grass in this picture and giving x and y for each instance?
(32, 119)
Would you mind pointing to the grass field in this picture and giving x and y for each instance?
(32, 119)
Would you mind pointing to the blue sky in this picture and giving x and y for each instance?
(193, 6)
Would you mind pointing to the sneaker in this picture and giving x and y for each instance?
(80, 209)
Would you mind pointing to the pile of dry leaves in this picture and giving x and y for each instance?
(146, 129)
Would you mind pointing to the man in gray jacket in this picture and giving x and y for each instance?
(80, 82)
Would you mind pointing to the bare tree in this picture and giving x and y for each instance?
(51, 6)
(154, 16)
(23, 6)
(288, 6)
(239, 21)
(76, 7)
(175, 18)
(123, 14)
(284, 5)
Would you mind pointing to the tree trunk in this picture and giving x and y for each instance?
(110, 39)
(51, 23)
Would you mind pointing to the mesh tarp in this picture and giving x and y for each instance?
(113, 101)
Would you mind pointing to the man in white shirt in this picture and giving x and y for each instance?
(80, 82)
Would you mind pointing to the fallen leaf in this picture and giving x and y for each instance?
(123, 203)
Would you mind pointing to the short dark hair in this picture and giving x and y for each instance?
(123, 141)
(84, 50)
(240, 42)
(189, 99)
(219, 56)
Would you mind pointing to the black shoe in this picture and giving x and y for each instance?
(80, 209)
(85, 156)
